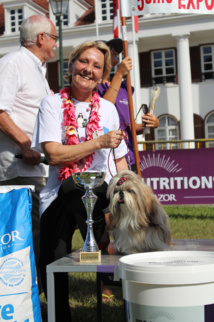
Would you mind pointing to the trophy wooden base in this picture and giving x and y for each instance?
(86, 257)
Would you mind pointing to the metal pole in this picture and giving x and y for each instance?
(131, 109)
(61, 53)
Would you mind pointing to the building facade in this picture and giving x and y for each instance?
(174, 52)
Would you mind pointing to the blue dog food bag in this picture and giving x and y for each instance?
(19, 295)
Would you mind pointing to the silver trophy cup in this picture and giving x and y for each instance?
(89, 180)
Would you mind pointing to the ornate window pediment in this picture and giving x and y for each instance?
(16, 11)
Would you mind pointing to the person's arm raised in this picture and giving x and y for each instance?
(123, 69)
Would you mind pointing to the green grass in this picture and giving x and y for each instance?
(191, 222)
(186, 222)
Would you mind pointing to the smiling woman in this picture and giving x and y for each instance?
(98, 61)
(76, 129)
(87, 72)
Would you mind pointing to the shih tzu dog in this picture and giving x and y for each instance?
(137, 219)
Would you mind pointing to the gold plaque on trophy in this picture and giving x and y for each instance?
(86, 257)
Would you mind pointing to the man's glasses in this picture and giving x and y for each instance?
(54, 37)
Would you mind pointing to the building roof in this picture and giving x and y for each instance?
(42, 3)
(87, 18)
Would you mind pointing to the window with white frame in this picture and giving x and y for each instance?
(207, 62)
(163, 66)
(167, 130)
(16, 18)
(106, 10)
(209, 129)
(64, 20)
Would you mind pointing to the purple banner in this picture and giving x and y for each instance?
(106, 268)
(180, 176)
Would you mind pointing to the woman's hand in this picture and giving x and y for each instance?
(111, 139)
(150, 120)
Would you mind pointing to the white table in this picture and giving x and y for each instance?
(108, 263)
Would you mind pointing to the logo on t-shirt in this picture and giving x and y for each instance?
(81, 121)
(124, 101)
(99, 132)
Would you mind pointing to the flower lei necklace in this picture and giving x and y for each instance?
(71, 133)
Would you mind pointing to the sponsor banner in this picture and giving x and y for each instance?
(143, 7)
(19, 295)
(180, 176)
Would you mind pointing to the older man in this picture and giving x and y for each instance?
(22, 87)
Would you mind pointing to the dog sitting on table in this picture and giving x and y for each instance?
(137, 219)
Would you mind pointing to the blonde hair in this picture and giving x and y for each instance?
(100, 45)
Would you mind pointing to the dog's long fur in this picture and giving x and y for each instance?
(137, 219)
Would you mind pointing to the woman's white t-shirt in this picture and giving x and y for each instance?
(49, 128)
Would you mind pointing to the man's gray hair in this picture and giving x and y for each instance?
(31, 27)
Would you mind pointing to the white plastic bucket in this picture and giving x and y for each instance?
(168, 286)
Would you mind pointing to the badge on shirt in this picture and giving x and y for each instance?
(98, 132)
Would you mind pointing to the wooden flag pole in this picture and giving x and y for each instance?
(131, 109)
